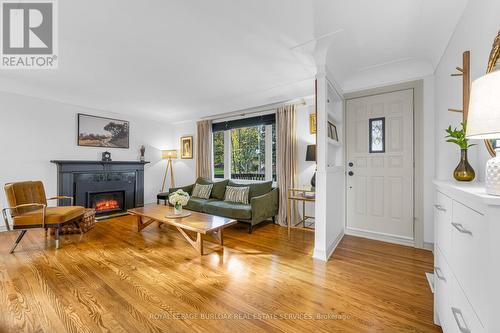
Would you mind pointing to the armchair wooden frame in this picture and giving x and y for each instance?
(24, 228)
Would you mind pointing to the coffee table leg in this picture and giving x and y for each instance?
(196, 243)
(199, 242)
(142, 222)
(218, 236)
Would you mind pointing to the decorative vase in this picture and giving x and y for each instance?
(493, 174)
(464, 172)
(178, 209)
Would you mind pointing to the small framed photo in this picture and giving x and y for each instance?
(312, 123)
(332, 131)
(187, 147)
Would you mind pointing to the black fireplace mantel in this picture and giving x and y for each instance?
(79, 178)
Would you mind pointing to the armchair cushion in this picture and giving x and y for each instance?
(25, 193)
(53, 215)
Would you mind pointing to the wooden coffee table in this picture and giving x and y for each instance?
(201, 224)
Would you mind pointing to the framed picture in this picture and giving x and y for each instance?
(186, 147)
(332, 132)
(94, 131)
(312, 123)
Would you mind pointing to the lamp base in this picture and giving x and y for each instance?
(313, 180)
(493, 175)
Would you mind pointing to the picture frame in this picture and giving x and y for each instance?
(97, 131)
(332, 132)
(186, 147)
(312, 123)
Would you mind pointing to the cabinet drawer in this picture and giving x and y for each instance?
(443, 291)
(442, 223)
(463, 316)
(469, 257)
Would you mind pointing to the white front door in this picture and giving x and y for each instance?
(380, 166)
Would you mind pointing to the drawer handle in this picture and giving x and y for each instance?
(456, 313)
(461, 228)
(440, 208)
(439, 273)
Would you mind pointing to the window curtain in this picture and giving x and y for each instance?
(286, 158)
(204, 156)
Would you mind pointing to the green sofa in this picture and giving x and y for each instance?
(262, 196)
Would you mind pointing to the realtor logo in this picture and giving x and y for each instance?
(28, 34)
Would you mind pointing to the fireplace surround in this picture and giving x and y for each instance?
(109, 187)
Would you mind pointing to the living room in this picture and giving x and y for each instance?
(250, 166)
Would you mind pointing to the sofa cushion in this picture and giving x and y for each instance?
(197, 204)
(229, 209)
(202, 191)
(256, 189)
(237, 194)
(218, 190)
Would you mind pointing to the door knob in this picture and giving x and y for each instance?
(351, 173)
(351, 164)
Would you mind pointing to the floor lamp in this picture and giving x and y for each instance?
(168, 155)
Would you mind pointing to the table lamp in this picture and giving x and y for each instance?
(483, 122)
(311, 157)
(168, 155)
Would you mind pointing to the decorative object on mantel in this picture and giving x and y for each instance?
(312, 123)
(311, 157)
(494, 65)
(464, 171)
(178, 199)
(106, 156)
(187, 147)
(94, 131)
(143, 151)
(168, 155)
(484, 120)
(464, 72)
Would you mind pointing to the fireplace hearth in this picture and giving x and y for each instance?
(109, 187)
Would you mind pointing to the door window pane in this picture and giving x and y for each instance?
(218, 140)
(377, 135)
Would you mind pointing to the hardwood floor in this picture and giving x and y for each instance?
(115, 279)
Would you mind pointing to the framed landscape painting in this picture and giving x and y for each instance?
(94, 131)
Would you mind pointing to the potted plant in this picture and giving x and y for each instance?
(178, 199)
(464, 171)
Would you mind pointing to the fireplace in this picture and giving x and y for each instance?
(109, 187)
(106, 203)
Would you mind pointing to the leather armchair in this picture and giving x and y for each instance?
(28, 209)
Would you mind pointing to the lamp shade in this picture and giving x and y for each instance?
(483, 121)
(311, 153)
(167, 154)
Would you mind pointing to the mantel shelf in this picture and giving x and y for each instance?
(96, 162)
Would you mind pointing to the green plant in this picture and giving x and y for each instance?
(457, 136)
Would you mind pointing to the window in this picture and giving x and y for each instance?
(377, 135)
(245, 149)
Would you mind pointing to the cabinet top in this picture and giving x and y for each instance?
(473, 191)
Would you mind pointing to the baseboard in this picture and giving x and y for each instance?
(429, 246)
(325, 255)
(3, 228)
(380, 236)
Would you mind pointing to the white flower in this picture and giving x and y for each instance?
(179, 197)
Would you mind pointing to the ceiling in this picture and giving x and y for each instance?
(183, 60)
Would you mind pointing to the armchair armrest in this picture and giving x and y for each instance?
(265, 206)
(62, 197)
(5, 217)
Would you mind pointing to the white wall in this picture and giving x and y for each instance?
(475, 31)
(34, 131)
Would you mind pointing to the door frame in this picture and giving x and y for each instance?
(418, 161)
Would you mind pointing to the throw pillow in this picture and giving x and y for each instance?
(202, 191)
(237, 194)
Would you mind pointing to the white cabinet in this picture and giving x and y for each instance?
(466, 258)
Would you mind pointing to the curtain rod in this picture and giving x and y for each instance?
(257, 109)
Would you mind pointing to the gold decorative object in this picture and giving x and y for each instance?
(464, 171)
(493, 65)
(187, 147)
(312, 123)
